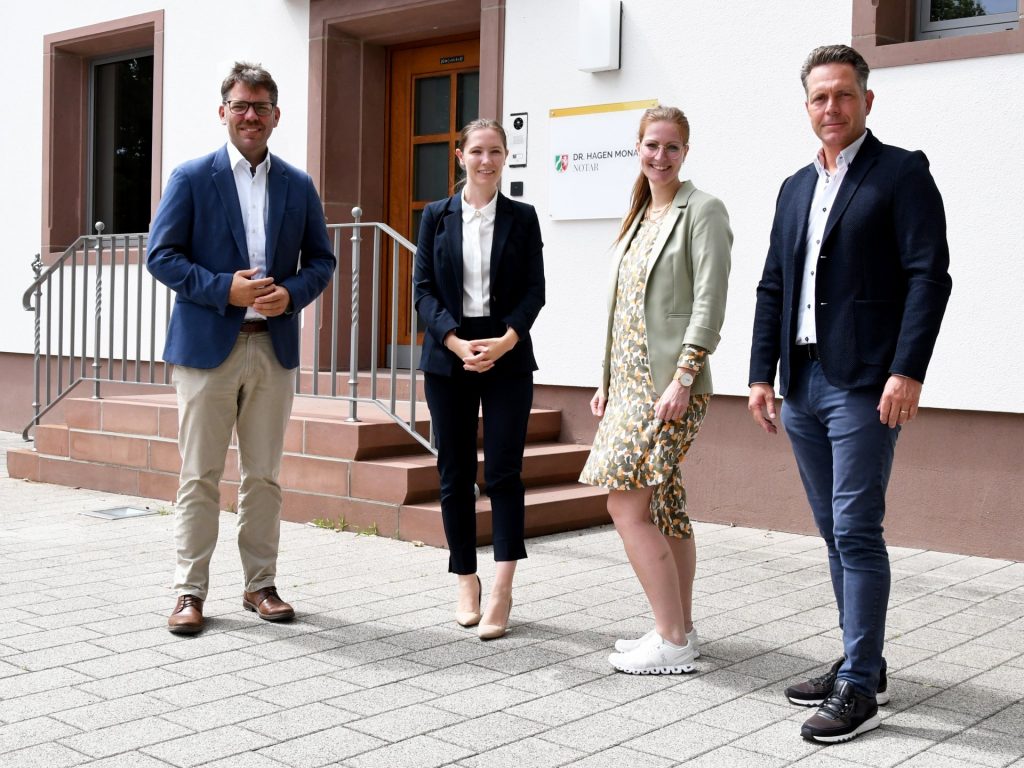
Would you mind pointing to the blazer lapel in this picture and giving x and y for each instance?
(452, 223)
(672, 216)
(224, 181)
(855, 174)
(502, 227)
(803, 193)
(277, 195)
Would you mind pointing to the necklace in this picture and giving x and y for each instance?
(653, 214)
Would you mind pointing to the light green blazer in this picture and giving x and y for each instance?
(687, 284)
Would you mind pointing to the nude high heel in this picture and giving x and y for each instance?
(494, 631)
(471, 618)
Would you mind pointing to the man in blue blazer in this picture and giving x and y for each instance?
(240, 237)
(849, 306)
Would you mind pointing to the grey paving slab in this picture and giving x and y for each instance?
(214, 714)
(125, 736)
(373, 671)
(113, 712)
(734, 756)
(322, 748)
(983, 746)
(417, 752)
(482, 734)
(532, 752)
(47, 755)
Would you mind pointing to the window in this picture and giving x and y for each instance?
(121, 139)
(947, 18)
(895, 33)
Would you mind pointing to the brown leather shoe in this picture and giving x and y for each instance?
(187, 616)
(268, 605)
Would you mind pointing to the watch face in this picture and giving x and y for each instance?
(686, 379)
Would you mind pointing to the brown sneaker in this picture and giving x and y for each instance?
(187, 616)
(268, 605)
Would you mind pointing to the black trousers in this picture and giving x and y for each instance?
(455, 403)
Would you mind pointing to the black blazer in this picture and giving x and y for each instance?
(882, 277)
(517, 280)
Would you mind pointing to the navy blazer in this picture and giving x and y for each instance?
(882, 280)
(197, 243)
(517, 280)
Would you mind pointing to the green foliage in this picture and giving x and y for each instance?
(945, 10)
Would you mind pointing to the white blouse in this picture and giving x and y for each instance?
(477, 237)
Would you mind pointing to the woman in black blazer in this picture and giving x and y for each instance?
(479, 285)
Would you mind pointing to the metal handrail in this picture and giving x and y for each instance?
(65, 354)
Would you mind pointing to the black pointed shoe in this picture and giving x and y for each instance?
(845, 714)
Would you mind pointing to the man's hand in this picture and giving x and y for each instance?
(673, 402)
(274, 303)
(597, 403)
(899, 400)
(762, 407)
(244, 290)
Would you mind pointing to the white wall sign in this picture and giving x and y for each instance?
(594, 161)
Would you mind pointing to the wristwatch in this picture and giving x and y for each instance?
(684, 377)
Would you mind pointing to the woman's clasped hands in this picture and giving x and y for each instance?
(480, 355)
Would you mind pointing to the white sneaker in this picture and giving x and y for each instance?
(625, 646)
(655, 657)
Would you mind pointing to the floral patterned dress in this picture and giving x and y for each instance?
(632, 448)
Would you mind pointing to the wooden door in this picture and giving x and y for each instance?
(433, 91)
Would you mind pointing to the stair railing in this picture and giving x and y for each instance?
(99, 316)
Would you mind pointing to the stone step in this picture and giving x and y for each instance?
(318, 427)
(409, 479)
(549, 509)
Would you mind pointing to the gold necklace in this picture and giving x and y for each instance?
(653, 214)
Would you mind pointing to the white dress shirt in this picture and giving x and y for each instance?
(821, 205)
(477, 237)
(252, 199)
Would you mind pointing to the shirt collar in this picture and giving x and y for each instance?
(235, 157)
(844, 158)
(488, 212)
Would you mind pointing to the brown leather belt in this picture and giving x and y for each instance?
(254, 326)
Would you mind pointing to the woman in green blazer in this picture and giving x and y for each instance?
(666, 309)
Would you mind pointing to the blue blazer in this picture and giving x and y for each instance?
(517, 280)
(882, 280)
(197, 242)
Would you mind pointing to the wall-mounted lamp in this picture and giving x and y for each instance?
(599, 25)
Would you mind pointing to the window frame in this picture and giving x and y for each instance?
(67, 58)
(884, 33)
(926, 29)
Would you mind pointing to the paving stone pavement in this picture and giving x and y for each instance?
(374, 673)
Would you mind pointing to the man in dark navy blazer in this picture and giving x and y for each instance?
(848, 308)
(240, 237)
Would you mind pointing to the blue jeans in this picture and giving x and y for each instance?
(845, 455)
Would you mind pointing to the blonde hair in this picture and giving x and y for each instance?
(641, 189)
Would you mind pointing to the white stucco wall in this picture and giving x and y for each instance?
(734, 70)
(201, 41)
(732, 67)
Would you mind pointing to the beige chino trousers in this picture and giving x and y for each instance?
(251, 393)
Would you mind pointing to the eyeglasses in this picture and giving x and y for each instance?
(239, 107)
(652, 148)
